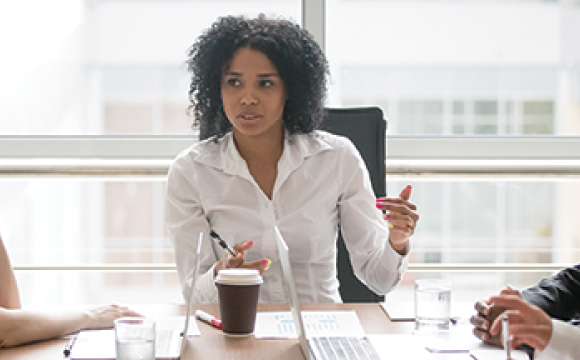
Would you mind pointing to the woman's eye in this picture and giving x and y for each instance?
(233, 82)
(266, 83)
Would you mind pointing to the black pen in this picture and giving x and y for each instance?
(222, 243)
(68, 347)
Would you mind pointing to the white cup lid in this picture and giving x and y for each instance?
(239, 277)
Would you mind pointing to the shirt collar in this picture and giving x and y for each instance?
(224, 155)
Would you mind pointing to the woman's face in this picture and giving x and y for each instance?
(253, 94)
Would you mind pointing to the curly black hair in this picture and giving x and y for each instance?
(299, 60)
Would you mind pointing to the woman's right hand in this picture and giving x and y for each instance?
(238, 261)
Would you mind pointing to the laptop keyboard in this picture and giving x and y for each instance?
(343, 347)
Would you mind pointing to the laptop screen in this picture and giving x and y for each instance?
(191, 294)
(291, 291)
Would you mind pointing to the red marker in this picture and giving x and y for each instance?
(207, 318)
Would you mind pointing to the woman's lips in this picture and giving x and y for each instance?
(249, 117)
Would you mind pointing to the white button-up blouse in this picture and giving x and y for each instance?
(322, 181)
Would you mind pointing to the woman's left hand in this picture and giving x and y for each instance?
(402, 217)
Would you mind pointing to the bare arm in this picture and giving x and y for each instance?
(9, 296)
(23, 326)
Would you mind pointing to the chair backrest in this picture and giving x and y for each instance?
(366, 128)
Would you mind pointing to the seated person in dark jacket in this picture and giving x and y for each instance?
(557, 296)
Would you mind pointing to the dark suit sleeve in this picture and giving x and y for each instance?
(559, 295)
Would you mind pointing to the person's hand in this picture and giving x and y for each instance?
(486, 315)
(402, 217)
(101, 317)
(238, 261)
(528, 323)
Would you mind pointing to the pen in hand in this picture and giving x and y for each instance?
(222, 243)
(507, 339)
(68, 347)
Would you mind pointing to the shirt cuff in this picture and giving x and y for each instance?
(205, 288)
(561, 343)
(402, 261)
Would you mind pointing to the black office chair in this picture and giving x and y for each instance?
(366, 128)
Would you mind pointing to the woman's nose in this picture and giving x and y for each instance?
(249, 99)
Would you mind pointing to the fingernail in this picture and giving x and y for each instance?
(251, 243)
(409, 187)
(386, 216)
(379, 203)
(390, 226)
(266, 263)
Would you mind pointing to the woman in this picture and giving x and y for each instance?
(18, 326)
(257, 93)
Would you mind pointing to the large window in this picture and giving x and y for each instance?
(456, 70)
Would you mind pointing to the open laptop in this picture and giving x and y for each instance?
(373, 347)
(319, 348)
(170, 342)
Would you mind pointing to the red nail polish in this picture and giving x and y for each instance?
(409, 187)
(387, 216)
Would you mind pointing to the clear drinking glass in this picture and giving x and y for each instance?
(135, 338)
(432, 304)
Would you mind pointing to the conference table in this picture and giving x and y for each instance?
(212, 344)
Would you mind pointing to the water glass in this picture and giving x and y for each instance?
(135, 338)
(432, 304)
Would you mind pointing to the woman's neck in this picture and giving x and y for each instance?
(264, 150)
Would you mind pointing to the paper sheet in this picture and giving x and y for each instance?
(100, 344)
(460, 339)
(400, 311)
(397, 346)
(405, 311)
(279, 325)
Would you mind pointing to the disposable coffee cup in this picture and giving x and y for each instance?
(238, 291)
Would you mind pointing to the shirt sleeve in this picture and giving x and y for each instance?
(563, 345)
(558, 295)
(365, 233)
(185, 220)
